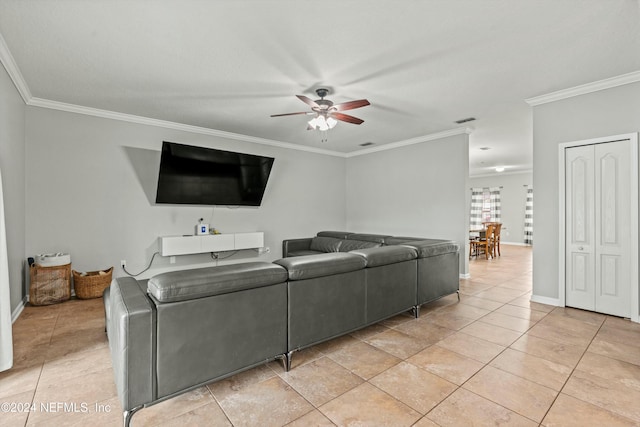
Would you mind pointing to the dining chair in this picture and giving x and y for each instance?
(485, 243)
(496, 238)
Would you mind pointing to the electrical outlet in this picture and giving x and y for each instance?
(123, 263)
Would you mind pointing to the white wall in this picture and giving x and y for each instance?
(12, 164)
(598, 114)
(417, 190)
(87, 193)
(513, 196)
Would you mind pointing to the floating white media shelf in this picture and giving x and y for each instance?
(186, 245)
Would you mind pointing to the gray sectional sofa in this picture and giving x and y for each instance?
(180, 330)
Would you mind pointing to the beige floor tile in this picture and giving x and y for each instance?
(14, 381)
(508, 322)
(492, 333)
(615, 350)
(561, 335)
(268, 403)
(363, 359)
(620, 323)
(17, 413)
(313, 419)
(172, 408)
(626, 375)
(466, 409)
(425, 422)
(206, 415)
(626, 336)
(470, 346)
(532, 368)
(399, 319)
(448, 320)
(397, 343)
(572, 324)
(105, 413)
(605, 393)
(237, 383)
(487, 304)
(590, 317)
(521, 312)
(446, 364)
(413, 386)
(321, 380)
(515, 393)
(465, 310)
(75, 365)
(424, 329)
(335, 344)
(87, 389)
(76, 341)
(564, 354)
(525, 301)
(369, 331)
(367, 405)
(568, 412)
(500, 294)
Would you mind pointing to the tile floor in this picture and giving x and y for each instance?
(494, 358)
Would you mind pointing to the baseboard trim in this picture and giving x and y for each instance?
(546, 300)
(465, 275)
(515, 244)
(16, 313)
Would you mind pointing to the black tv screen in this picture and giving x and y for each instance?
(205, 176)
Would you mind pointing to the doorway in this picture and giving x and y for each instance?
(599, 225)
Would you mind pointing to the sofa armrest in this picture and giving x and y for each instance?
(293, 245)
(131, 329)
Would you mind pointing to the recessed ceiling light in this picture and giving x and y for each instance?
(500, 169)
(485, 148)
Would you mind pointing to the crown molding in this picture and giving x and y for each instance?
(412, 141)
(609, 83)
(14, 72)
(106, 114)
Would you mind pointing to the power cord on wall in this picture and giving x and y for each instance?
(148, 267)
(216, 256)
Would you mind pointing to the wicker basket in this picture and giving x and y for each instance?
(92, 284)
(49, 285)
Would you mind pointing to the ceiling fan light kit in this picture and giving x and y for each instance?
(327, 114)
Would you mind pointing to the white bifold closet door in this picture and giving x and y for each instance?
(597, 208)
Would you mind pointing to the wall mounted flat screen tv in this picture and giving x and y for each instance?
(205, 176)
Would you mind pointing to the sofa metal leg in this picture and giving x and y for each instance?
(286, 360)
(416, 311)
(128, 414)
(458, 292)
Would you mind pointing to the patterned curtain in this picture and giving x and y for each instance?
(495, 204)
(475, 217)
(528, 218)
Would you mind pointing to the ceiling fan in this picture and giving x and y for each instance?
(326, 112)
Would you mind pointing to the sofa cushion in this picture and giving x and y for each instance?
(398, 240)
(351, 245)
(303, 253)
(308, 267)
(386, 255)
(376, 238)
(325, 244)
(336, 234)
(204, 282)
(432, 247)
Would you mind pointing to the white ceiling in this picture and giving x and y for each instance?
(229, 64)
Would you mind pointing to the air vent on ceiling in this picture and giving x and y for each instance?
(366, 144)
(468, 119)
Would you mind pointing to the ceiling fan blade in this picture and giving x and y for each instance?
(347, 118)
(292, 114)
(351, 105)
(308, 101)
